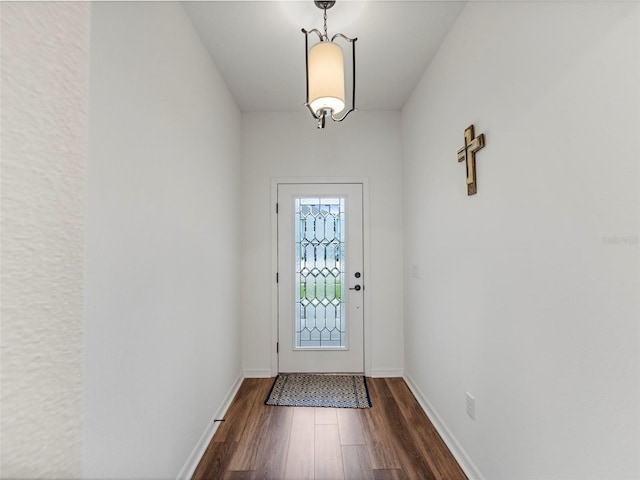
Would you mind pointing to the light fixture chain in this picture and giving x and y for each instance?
(325, 24)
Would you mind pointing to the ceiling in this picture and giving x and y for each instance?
(258, 47)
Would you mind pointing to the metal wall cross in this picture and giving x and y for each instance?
(468, 154)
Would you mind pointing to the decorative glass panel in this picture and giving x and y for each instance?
(320, 308)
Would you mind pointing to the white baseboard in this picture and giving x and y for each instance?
(463, 459)
(196, 454)
(386, 372)
(258, 373)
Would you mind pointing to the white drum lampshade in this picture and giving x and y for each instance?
(326, 77)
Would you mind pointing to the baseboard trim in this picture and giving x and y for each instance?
(387, 372)
(258, 373)
(192, 462)
(461, 456)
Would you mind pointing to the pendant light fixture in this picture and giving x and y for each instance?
(325, 73)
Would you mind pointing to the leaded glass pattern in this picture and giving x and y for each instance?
(320, 261)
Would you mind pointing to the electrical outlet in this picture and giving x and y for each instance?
(471, 406)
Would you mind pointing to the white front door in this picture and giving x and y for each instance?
(320, 278)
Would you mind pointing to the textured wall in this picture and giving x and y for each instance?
(44, 153)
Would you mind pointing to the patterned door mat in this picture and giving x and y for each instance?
(319, 390)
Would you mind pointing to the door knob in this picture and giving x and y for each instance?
(356, 288)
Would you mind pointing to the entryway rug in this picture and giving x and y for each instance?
(319, 390)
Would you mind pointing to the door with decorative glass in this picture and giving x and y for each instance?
(320, 278)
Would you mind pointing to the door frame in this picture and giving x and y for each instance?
(364, 181)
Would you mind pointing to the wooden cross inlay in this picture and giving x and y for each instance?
(468, 154)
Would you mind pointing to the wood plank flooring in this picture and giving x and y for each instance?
(392, 440)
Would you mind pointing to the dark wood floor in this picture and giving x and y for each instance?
(392, 440)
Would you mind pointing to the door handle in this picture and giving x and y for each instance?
(357, 288)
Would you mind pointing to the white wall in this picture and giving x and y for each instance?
(367, 144)
(528, 291)
(162, 325)
(44, 154)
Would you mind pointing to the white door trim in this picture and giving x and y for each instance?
(274, 260)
